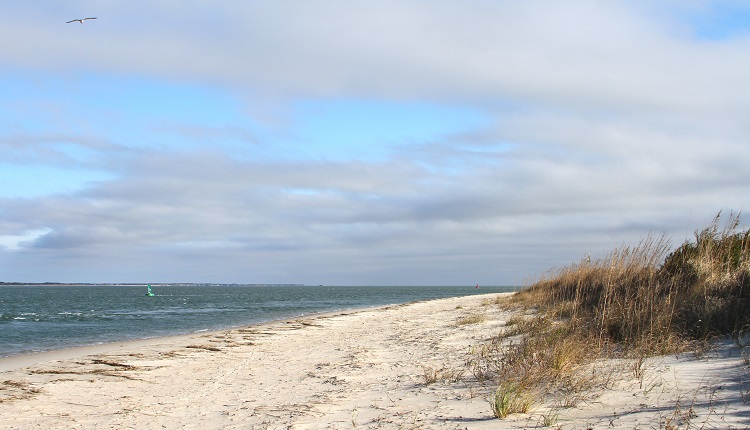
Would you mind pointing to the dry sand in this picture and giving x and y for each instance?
(361, 369)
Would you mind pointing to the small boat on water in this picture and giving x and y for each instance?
(149, 293)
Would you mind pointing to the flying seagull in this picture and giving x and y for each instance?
(79, 20)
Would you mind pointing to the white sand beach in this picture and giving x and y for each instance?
(359, 369)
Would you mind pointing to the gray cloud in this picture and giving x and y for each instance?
(323, 219)
(608, 120)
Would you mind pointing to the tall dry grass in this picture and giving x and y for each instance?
(646, 298)
(712, 276)
(635, 302)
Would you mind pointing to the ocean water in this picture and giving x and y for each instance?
(38, 318)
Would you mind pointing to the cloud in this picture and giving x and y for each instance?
(303, 219)
(599, 122)
(582, 51)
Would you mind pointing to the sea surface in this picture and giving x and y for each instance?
(35, 318)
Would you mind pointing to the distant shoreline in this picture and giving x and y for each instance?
(138, 284)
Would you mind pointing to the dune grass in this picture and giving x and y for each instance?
(636, 302)
(644, 298)
(510, 397)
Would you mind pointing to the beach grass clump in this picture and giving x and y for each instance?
(432, 375)
(609, 299)
(511, 397)
(547, 360)
(645, 297)
(712, 275)
(637, 301)
(550, 418)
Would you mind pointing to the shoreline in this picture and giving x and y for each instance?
(17, 361)
(177, 311)
(397, 366)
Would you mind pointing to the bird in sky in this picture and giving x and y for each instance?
(79, 20)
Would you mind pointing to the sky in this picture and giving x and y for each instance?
(388, 142)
